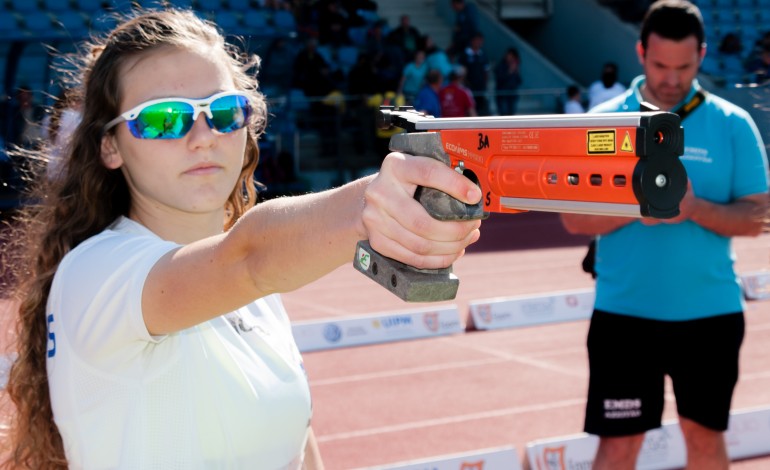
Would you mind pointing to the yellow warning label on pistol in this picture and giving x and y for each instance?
(601, 142)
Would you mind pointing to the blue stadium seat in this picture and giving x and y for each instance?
(56, 6)
(347, 57)
(747, 15)
(749, 35)
(210, 5)
(724, 17)
(116, 5)
(241, 5)
(284, 21)
(9, 26)
(186, 4)
(256, 23)
(73, 23)
(102, 22)
(369, 16)
(89, 5)
(357, 35)
(711, 65)
(328, 54)
(38, 22)
(297, 100)
(746, 3)
(229, 21)
(24, 6)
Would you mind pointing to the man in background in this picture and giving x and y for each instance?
(668, 301)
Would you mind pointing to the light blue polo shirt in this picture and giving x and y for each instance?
(684, 271)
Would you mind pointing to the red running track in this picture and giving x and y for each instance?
(387, 403)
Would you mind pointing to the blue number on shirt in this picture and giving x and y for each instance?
(51, 338)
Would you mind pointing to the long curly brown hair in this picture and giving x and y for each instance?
(87, 198)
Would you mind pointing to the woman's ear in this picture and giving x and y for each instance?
(110, 155)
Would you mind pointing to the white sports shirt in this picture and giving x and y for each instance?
(230, 393)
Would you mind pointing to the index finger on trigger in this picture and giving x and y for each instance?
(434, 174)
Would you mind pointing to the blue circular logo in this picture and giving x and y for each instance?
(332, 333)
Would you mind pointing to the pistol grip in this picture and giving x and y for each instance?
(407, 282)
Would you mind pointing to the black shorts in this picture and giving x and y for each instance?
(629, 358)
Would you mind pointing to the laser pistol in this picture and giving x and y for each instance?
(615, 164)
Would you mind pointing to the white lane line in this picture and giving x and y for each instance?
(452, 420)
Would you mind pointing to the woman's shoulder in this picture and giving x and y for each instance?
(119, 242)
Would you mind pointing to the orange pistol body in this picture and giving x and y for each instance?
(618, 164)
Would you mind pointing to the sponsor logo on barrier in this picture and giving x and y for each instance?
(356, 331)
(656, 446)
(472, 465)
(553, 457)
(572, 301)
(399, 321)
(538, 307)
(332, 333)
(485, 312)
(741, 428)
(431, 321)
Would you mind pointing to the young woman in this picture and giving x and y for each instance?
(150, 332)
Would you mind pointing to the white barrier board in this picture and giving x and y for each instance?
(663, 448)
(510, 312)
(379, 328)
(756, 285)
(504, 458)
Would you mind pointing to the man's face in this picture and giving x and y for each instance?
(670, 67)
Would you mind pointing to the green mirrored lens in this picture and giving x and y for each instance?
(169, 120)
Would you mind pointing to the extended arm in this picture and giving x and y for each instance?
(286, 243)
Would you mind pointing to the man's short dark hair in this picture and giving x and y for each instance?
(674, 20)
(434, 77)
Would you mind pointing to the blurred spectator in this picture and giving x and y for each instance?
(387, 58)
(730, 55)
(606, 87)
(277, 67)
(59, 125)
(362, 84)
(332, 24)
(427, 100)
(413, 76)
(359, 10)
(758, 64)
(456, 99)
(476, 66)
(313, 76)
(574, 104)
(405, 36)
(25, 117)
(507, 82)
(466, 25)
(436, 58)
